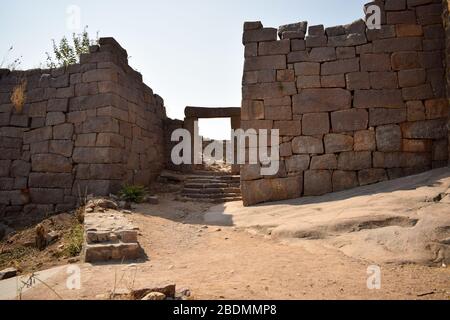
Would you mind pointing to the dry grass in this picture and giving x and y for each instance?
(18, 96)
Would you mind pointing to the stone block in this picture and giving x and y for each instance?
(440, 150)
(63, 93)
(263, 190)
(387, 98)
(321, 100)
(383, 80)
(395, 5)
(20, 168)
(421, 92)
(97, 155)
(39, 147)
(405, 60)
(54, 118)
(298, 45)
(265, 63)
(61, 147)
(343, 180)
(286, 149)
(315, 124)
(297, 163)
(58, 105)
(397, 44)
(252, 25)
(357, 80)
(401, 17)
(285, 75)
(269, 90)
(333, 81)
(100, 124)
(428, 129)
(436, 108)
(307, 68)
(50, 180)
(107, 171)
(340, 66)
(317, 182)
(252, 110)
(50, 163)
(46, 195)
(278, 112)
(250, 172)
(110, 140)
(288, 127)
(316, 41)
(317, 30)
(345, 52)
(389, 138)
(411, 77)
(259, 35)
(409, 30)
(373, 175)
(251, 50)
(415, 110)
(63, 131)
(308, 82)
(337, 143)
(5, 166)
(324, 162)
(375, 62)
(322, 54)
(347, 40)
(97, 75)
(416, 145)
(306, 144)
(358, 160)
(364, 140)
(380, 116)
(274, 47)
(349, 120)
(37, 135)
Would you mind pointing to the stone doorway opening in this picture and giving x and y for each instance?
(202, 115)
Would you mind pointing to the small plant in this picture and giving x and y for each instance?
(66, 53)
(19, 96)
(13, 65)
(74, 241)
(133, 193)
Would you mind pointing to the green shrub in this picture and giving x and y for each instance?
(133, 193)
(74, 240)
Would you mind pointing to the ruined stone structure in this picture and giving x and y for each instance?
(353, 106)
(87, 128)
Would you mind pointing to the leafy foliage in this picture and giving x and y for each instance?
(133, 193)
(66, 53)
(74, 241)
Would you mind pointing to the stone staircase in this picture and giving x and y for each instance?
(207, 186)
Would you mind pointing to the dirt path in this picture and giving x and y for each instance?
(226, 263)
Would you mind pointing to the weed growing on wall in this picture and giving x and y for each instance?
(66, 53)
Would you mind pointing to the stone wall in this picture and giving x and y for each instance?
(87, 128)
(353, 106)
(446, 19)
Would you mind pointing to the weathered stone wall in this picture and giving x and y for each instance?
(87, 128)
(353, 106)
(446, 22)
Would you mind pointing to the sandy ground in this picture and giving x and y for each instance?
(231, 258)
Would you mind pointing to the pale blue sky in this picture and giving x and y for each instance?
(189, 52)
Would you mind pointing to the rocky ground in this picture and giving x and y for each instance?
(276, 251)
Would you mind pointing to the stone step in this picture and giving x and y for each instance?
(212, 190)
(111, 251)
(216, 200)
(212, 177)
(195, 185)
(212, 195)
